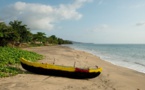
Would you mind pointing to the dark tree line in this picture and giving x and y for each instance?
(16, 34)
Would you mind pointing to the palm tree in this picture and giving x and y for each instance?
(53, 39)
(7, 35)
(24, 34)
(40, 37)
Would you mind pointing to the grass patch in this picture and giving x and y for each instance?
(6, 71)
(10, 60)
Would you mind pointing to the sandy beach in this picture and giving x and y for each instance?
(112, 78)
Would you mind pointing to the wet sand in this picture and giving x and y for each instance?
(112, 78)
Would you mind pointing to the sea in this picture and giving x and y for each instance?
(131, 56)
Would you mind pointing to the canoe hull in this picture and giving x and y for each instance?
(60, 73)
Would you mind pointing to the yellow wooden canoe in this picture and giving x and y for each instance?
(57, 70)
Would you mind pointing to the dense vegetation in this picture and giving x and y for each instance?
(16, 34)
(10, 60)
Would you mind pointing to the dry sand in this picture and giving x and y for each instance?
(112, 78)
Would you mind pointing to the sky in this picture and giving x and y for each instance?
(89, 21)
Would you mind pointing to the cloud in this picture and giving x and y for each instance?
(40, 16)
(140, 24)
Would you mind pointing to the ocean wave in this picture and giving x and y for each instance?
(139, 64)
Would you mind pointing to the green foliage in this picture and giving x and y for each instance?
(15, 34)
(24, 34)
(7, 34)
(39, 37)
(53, 40)
(10, 57)
(6, 71)
(61, 41)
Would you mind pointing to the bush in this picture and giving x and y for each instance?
(10, 57)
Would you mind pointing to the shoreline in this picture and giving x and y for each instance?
(113, 77)
(121, 63)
